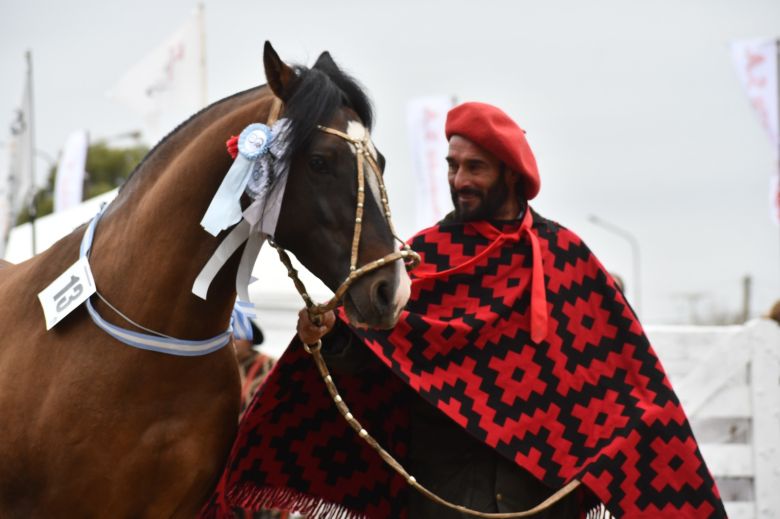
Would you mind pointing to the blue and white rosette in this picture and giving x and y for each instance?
(260, 169)
(225, 207)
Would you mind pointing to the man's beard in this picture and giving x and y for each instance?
(487, 207)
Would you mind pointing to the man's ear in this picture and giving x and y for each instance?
(514, 183)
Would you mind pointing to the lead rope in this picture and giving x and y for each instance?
(395, 465)
(411, 259)
(315, 315)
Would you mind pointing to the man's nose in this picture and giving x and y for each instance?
(460, 179)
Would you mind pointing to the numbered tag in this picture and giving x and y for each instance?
(67, 292)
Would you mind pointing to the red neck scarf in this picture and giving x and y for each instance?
(498, 239)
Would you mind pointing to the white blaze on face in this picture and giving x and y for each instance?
(403, 284)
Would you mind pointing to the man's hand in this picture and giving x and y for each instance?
(309, 332)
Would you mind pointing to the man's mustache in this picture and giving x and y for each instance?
(467, 191)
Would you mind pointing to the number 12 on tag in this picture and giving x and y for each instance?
(67, 292)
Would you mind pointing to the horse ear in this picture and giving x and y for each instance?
(325, 62)
(279, 75)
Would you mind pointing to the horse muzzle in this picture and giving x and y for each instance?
(376, 299)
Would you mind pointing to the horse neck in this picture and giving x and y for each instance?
(149, 246)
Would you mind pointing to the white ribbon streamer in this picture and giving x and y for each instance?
(260, 169)
(248, 258)
(229, 245)
(225, 207)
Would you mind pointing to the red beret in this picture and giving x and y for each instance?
(491, 129)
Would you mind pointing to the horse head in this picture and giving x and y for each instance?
(330, 149)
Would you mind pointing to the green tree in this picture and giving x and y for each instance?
(106, 168)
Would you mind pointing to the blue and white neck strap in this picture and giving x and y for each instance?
(158, 342)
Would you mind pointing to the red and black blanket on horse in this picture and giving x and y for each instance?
(584, 398)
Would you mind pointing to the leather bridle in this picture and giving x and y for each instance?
(363, 155)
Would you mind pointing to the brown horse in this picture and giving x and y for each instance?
(91, 427)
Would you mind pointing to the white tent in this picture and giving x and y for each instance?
(273, 293)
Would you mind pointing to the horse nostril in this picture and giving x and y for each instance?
(380, 295)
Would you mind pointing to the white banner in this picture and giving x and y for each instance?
(69, 180)
(168, 85)
(756, 62)
(757, 67)
(6, 200)
(17, 184)
(21, 176)
(425, 118)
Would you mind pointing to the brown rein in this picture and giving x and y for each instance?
(395, 465)
(411, 259)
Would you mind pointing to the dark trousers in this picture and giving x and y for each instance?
(451, 463)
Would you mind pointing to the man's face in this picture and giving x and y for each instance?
(481, 189)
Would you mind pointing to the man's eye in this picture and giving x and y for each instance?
(318, 164)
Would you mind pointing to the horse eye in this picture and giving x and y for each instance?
(318, 164)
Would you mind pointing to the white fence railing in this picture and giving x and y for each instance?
(728, 379)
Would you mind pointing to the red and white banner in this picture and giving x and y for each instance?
(69, 181)
(756, 62)
(425, 118)
(168, 85)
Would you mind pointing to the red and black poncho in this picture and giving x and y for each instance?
(585, 397)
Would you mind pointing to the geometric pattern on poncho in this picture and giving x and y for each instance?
(591, 401)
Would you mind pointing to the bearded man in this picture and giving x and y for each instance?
(516, 368)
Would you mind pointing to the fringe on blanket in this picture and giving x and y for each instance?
(599, 512)
(250, 497)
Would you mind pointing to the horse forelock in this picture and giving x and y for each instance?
(318, 94)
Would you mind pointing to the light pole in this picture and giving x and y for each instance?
(634, 252)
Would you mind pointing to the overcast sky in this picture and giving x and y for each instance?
(633, 109)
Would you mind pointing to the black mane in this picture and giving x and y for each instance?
(318, 93)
